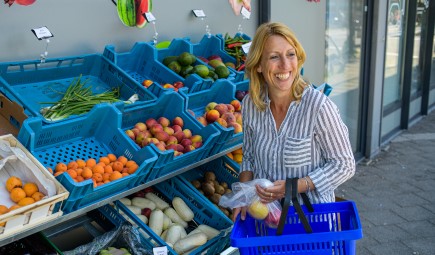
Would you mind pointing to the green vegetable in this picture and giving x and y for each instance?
(78, 99)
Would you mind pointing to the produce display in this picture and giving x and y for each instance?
(233, 46)
(186, 64)
(165, 135)
(176, 85)
(171, 220)
(226, 115)
(115, 251)
(21, 194)
(77, 99)
(106, 169)
(236, 155)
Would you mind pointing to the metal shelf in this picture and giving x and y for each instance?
(91, 207)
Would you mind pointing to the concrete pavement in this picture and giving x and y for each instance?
(395, 194)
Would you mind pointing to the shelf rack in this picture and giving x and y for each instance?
(81, 211)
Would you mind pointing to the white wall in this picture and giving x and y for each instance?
(86, 26)
(307, 20)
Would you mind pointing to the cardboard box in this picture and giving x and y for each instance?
(12, 116)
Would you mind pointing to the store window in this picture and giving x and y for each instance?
(344, 22)
(392, 89)
(416, 82)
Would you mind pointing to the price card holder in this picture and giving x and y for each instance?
(151, 19)
(42, 33)
(246, 15)
(201, 15)
(245, 47)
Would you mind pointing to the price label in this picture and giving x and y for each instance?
(149, 17)
(160, 250)
(246, 14)
(42, 33)
(199, 13)
(245, 47)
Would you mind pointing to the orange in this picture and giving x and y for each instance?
(106, 177)
(98, 169)
(117, 166)
(132, 168)
(30, 188)
(3, 209)
(72, 165)
(115, 176)
(238, 151)
(60, 167)
(38, 196)
(97, 177)
(112, 157)
(79, 171)
(13, 182)
(230, 155)
(50, 170)
(105, 160)
(122, 159)
(26, 201)
(95, 183)
(79, 178)
(108, 169)
(13, 207)
(72, 173)
(81, 163)
(125, 174)
(130, 162)
(87, 173)
(91, 162)
(17, 194)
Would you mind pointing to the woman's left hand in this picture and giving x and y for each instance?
(272, 193)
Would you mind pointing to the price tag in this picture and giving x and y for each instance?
(246, 14)
(199, 13)
(160, 250)
(246, 46)
(149, 17)
(42, 33)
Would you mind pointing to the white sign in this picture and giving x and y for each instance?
(246, 46)
(246, 14)
(160, 250)
(150, 17)
(199, 13)
(42, 33)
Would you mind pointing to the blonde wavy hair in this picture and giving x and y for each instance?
(257, 86)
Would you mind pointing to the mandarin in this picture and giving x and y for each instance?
(112, 157)
(97, 177)
(38, 196)
(132, 168)
(91, 162)
(117, 166)
(98, 169)
(87, 173)
(115, 176)
(13, 182)
(72, 165)
(72, 173)
(122, 159)
(3, 209)
(81, 163)
(105, 160)
(30, 188)
(13, 207)
(17, 194)
(108, 169)
(26, 201)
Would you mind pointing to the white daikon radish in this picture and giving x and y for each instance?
(156, 222)
(125, 201)
(174, 234)
(160, 203)
(173, 215)
(196, 230)
(143, 218)
(142, 203)
(166, 222)
(182, 209)
(134, 209)
(208, 231)
(190, 242)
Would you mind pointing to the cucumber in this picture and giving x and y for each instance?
(127, 12)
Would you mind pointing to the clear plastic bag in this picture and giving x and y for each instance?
(244, 194)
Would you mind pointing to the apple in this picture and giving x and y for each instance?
(187, 133)
(172, 140)
(196, 138)
(212, 115)
(146, 212)
(179, 135)
(221, 108)
(156, 128)
(130, 134)
(178, 84)
(202, 120)
(186, 142)
(162, 136)
(237, 105)
(222, 122)
(210, 106)
(163, 121)
(178, 121)
(150, 122)
(217, 57)
(258, 210)
(169, 130)
(141, 126)
(177, 128)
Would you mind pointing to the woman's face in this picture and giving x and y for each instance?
(279, 64)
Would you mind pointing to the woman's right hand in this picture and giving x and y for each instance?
(236, 212)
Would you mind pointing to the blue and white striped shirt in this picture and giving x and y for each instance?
(312, 140)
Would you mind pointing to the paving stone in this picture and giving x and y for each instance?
(391, 248)
(421, 246)
(418, 229)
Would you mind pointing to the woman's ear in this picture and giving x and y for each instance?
(259, 69)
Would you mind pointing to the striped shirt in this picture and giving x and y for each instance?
(312, 141)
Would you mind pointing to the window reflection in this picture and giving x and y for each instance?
(344, 21)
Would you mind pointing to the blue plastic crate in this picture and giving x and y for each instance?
(222, 91)
(336, 227)
(89, 136)
(205, 213)
(171, 105)
(212, 45)
(141, 64)
(31, 82)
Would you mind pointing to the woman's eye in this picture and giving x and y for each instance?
(273, 57)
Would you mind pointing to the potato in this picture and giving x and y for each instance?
(224, 184)
(228, 191)
(196, 184)
(219, 189)
(215, 198)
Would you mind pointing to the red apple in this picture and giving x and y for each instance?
(150, 122)
(163, 121)
(146, 212)
(178, 121)
(141, 126)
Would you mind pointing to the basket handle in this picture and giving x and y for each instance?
(291, 189)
